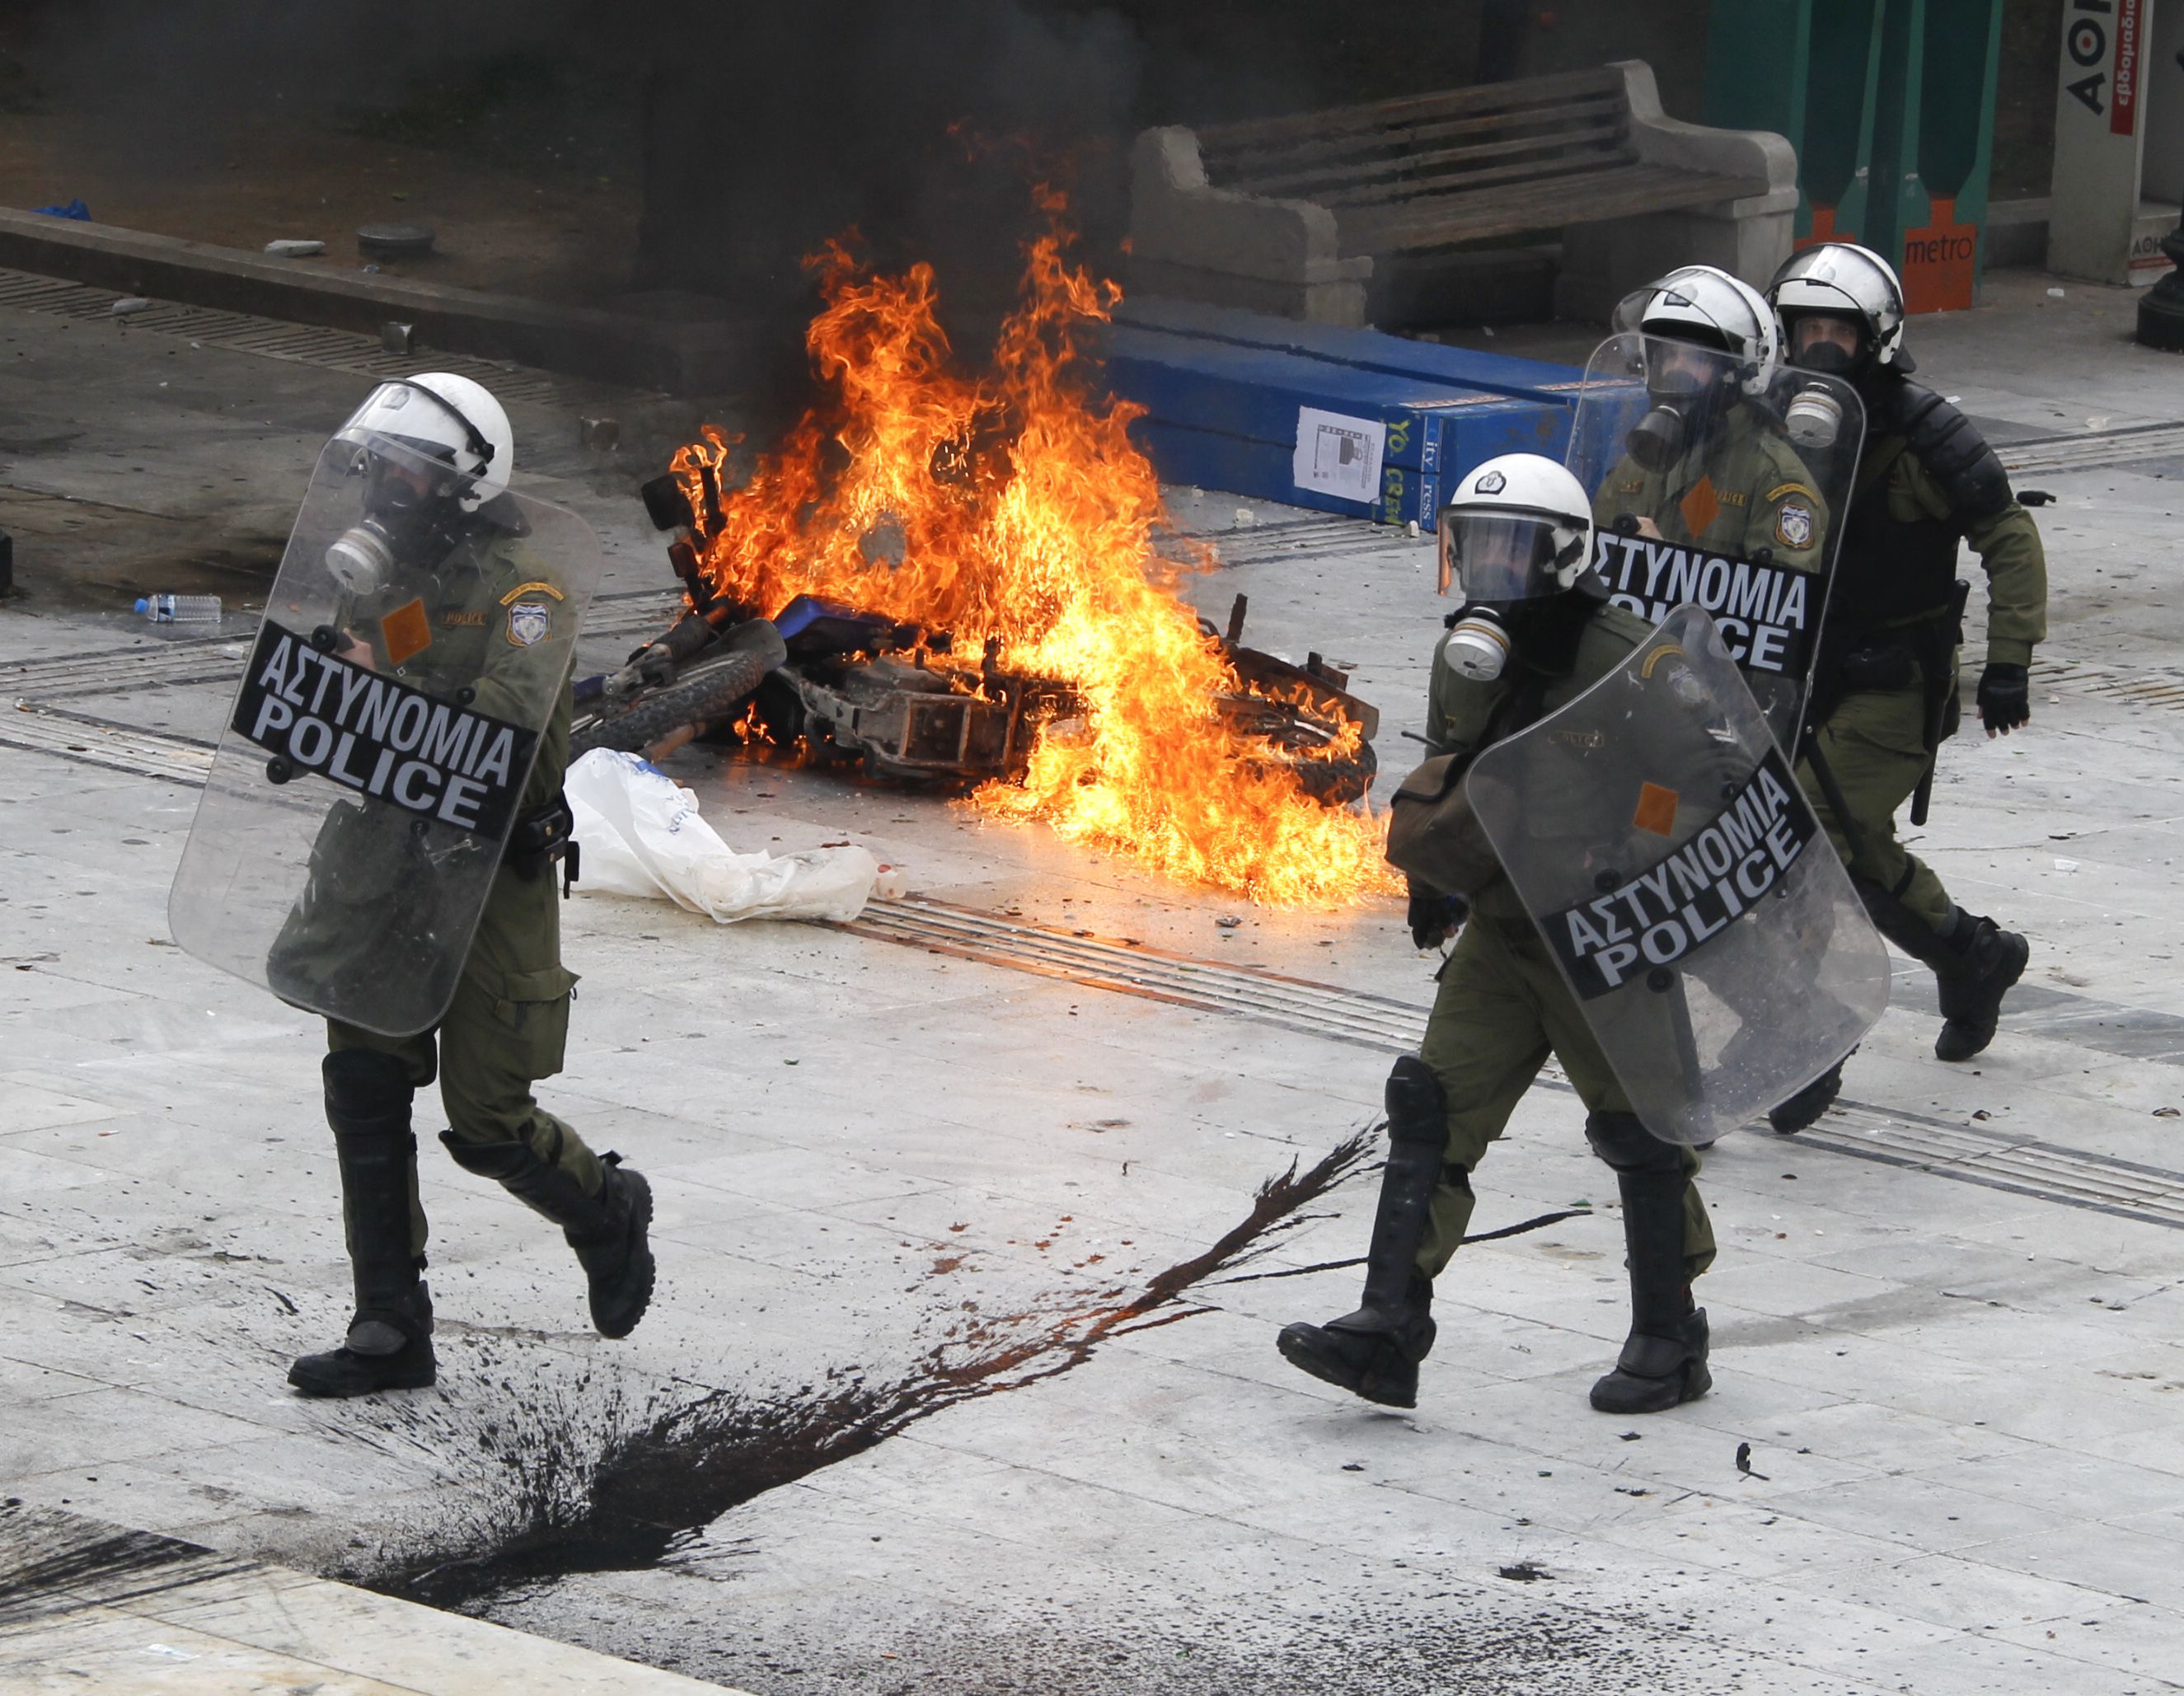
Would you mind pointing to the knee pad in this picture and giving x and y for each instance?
(1623, 1140)
(1417, 1106)
(366, 1084)
(499, 1161)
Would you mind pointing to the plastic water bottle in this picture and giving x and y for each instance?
(180, 609)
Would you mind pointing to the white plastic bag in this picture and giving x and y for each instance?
(638, 834)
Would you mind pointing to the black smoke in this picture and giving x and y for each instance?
(179, 86)
(755, 132)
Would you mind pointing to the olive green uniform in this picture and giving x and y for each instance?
(1502, 1007)
(509, 1022)
(1741, 489)
(1875, 741)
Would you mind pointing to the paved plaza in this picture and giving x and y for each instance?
(962, 1372)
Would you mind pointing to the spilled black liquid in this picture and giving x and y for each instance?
(616, 1490)
(53, 1563)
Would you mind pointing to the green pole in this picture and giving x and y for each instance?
(1833, 165)
(1895, 195)
(1964, 40)
(1757, 71)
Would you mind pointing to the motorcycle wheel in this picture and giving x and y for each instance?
(706, 689)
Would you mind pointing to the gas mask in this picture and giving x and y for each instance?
(398, 522)
(1483, 639)
(361, 559)
(1478, 644)
(1812, 419)
(1828, 358)
(1685, 407)
(1513, 540)
(1825, 355)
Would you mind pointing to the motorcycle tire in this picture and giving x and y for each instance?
(707, 689)
(1336, 782)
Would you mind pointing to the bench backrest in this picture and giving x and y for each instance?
(1498, 136)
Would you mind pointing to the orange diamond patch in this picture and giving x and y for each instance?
(405, 632)
(1700, 507)
(1657, 810)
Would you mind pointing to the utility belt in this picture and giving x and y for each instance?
(1920, 650)
(543, 835)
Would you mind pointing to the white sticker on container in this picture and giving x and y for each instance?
(1339, 455)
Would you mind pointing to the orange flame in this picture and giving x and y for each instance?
(1015, 508)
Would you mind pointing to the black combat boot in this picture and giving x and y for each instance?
(1974, 963)
(1809, 1103)
(1982, 961)
(389, 1346)
(1663, 1361)
(607, 1230)
(1374, 1352)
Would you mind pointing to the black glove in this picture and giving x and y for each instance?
(2005, 698)
(1434, 919)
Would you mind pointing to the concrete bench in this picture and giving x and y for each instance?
(1328, 216)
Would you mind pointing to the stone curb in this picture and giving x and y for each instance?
(684, 359)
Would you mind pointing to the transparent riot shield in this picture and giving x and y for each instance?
(1656, 836)
(412, 656)
(1715, 486)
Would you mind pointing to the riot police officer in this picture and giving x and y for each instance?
(441, 585)
(1706, 466)
(1885, 690)
(1535, 631)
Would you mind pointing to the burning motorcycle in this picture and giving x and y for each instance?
(844, 684)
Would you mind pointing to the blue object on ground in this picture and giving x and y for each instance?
(75, 209)
(1370, 350)
(1224, 411)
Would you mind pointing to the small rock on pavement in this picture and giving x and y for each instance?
(131, 304)
(294, 249)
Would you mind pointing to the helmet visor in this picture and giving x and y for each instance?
(1700, 312)
(1500, 556)
(1834, 337)
(413, 415)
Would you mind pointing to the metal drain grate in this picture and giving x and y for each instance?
(1311, 541)
(100, 741)
(1317, 1010)
(2091, 452)
(219, 659)
(209, 659)
(1994, 1159)
(301, 344)
(2131, 684)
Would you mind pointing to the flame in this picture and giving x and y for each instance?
(1014, 507)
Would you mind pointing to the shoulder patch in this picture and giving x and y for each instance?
(1782, 489)
(529, 622)
(1793, 524)
(536, 586)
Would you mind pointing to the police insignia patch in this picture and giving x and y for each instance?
(529, 622)
(1793, 524)
(1492, 483)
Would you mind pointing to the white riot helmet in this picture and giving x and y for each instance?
(1518, 528)
(1843, 279)
(428, 447)
(1704, 340)
(1710, 308)
(452, 420)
